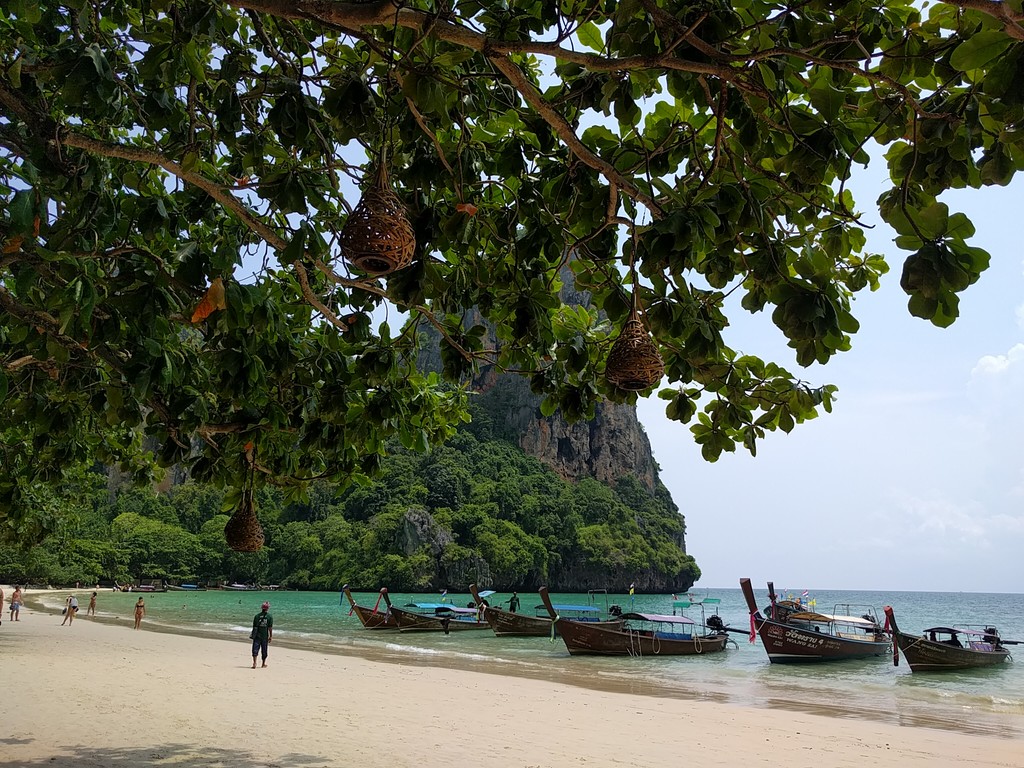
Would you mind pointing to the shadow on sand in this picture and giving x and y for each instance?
(177, 755)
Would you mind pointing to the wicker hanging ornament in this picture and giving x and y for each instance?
(634, 363)
(243, 531)
(378, 238)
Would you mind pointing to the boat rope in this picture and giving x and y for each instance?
(634, 647)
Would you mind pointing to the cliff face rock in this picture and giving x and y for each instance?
(418, 528)
(612, 445)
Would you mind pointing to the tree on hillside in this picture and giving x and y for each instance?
(176, 178)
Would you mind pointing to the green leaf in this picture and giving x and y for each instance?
(979, 50)
(827, 99)
(548, 406)
(22, 211)
(933, 220)
(590, 35)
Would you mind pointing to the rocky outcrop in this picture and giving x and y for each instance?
(610, 446)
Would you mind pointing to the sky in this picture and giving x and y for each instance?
(915, 481)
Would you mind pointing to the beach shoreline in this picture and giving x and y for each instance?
(153, 698)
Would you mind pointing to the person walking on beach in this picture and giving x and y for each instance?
(262, 633)
(513, 602)
(140, 611)
(16, 604)
(70, 610)
(91, 610)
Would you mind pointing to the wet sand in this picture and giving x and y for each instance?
(101, 694)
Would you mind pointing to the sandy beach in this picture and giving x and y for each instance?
(97, 694)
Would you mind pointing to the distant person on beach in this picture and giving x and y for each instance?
(91, 610)
(1, 603)
(70, 609)
(15, 604)
(513, 602)
(262, 633)
(140, 611)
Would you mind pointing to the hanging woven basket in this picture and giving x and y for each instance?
(378, 238)
(243, 531)
(634, 363)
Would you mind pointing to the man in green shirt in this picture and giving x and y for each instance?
(262, 633)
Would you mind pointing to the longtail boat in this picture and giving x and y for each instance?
(940, 648)
(434, 617)
(371, 618)
(641, 634)
(792, 634)
(512, 624)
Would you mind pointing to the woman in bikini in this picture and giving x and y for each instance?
(140, 611)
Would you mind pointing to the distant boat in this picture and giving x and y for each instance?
(434, 617)
(792, 634)
(940, 648)
(241, 587)
(641, 634)
(185, 588)
(371, 618)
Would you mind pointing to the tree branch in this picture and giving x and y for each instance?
(568, 135)
(998, 9)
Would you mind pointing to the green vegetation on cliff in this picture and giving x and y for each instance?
(477, 509)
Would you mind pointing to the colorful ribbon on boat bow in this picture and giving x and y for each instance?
(753, 629)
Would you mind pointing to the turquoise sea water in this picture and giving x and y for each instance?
(987, 701)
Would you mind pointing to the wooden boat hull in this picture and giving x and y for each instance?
(926, 656)
(583, 638)
(408, 621)
(372, 619)
(508, 624)
(788, 644)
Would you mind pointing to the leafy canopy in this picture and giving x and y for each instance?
(174, 178)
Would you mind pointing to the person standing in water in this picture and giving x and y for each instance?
(140, 611)
(262, 633)
(91, 610)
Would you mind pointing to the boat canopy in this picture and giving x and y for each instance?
(827, 618)
(439, 607)
(486, 593)
(567, 608)
(956, 630)
(698, 601)
(658, 617)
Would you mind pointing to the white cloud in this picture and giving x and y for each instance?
(996, 365)
(944, 519)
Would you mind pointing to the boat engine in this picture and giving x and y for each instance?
(615, 610)
(715, 622)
